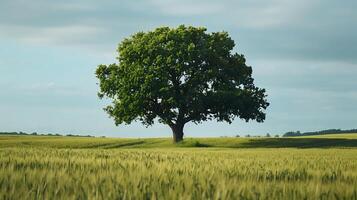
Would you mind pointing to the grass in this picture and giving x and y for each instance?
(38, 167)
(321, 141)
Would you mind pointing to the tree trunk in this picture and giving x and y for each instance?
(177, 131)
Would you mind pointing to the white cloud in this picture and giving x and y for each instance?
(272, 14)
(187, 8)
(252, 14)
(36, 87)
(49, 89)
(52, 35)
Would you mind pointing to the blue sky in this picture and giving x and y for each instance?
(303, 52)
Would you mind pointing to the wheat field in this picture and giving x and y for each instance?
(87, 169)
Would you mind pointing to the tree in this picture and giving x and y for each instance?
(180, 75)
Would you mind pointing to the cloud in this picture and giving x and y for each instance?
(322, 76)
(245, 13)
(187, 8)
(39, 87)
(290, 30)
(84, 24)
(58, 35)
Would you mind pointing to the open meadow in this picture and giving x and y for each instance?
(315, 167)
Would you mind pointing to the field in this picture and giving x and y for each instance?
(39, 167)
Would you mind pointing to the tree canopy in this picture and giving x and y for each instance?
(180, 75)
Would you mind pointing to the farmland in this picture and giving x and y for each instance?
(39, 167)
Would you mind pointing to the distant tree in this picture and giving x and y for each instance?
(180, 75)
(237, 135)
(267, 135)
(247, 135)
(291, 134)
(34, 133)
(276, 136)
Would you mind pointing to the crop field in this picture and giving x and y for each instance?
(39, 167)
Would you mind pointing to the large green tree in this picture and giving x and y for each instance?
(180, 75)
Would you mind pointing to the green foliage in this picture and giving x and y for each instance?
(179, 75)
(34, 171)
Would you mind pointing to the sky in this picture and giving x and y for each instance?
(304, 53)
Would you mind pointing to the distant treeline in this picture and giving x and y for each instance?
(323, 132)
(42, 134)
(258, 136)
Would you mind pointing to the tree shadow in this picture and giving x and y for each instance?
(191, 143)
(127, 144)
(112, 145)
(299, 143)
